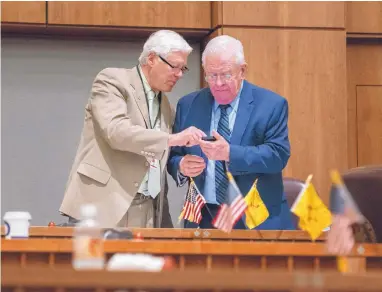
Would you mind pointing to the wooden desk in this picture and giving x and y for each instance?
(205, 255)
(63, 280)
(182, 234)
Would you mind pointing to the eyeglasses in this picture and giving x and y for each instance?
(184, 69)
(214, 77)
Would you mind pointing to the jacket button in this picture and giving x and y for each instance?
(136, 184)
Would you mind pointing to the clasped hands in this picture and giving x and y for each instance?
(193, 165)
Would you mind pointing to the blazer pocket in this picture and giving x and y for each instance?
(94, 172)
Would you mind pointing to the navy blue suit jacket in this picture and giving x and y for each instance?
(259, 145)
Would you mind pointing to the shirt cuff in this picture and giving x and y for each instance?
(181, 179)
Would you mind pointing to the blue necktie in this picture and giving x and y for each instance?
(221, 180)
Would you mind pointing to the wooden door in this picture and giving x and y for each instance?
(369, 125)
(364, 70)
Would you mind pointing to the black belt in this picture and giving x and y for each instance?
(213, 206)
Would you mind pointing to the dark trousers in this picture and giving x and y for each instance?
(209, 212)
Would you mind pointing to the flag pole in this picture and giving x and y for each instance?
(253, 185)
(182, 212)
(230, 178)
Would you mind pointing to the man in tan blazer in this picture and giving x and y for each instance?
(121, 159)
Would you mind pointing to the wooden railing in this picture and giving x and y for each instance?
(181, 234)
(206, 255)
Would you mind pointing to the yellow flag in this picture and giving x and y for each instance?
(257, 212)
(313, 215)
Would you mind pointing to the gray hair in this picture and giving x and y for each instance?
(225, 45)
(162, 43)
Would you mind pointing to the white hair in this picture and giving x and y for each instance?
(162, 43)
(226, 46)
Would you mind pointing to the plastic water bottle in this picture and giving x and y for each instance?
(88, 253)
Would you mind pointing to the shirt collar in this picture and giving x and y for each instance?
(234, 102)
(146, 85)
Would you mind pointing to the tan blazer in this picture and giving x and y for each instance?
(111, 159)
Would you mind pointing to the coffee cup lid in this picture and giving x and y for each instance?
(17, 215)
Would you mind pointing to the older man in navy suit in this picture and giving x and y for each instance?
(250, 125)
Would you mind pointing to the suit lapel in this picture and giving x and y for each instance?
(243, 114)
(201, 117)
(140, 96)
(165, 110)
(165, 124)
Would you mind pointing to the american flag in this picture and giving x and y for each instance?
(192, 209)
(231, 211)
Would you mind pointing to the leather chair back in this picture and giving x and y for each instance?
(365, 185)
(292, 187)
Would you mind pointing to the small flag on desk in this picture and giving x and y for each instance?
(256, 212)
(313, 215)
(341, 201)
(232, 210)
(194, 202)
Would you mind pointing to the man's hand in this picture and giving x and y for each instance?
(217, 150)
(340, 239)
(188, 137)
(191, 165)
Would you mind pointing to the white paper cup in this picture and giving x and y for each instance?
(16, 224)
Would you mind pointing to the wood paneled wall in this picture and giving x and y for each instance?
(279, 14)
(364, 17)
(369, 124)
(181, 14)
(298, 50)
(153, 14)
(361, 17)
(23, 12)
(364, 69)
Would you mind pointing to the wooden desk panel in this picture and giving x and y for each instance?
(183, 234)
(201, 254)
(16, 279)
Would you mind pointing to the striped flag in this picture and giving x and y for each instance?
(192, 209)
(232, 210)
